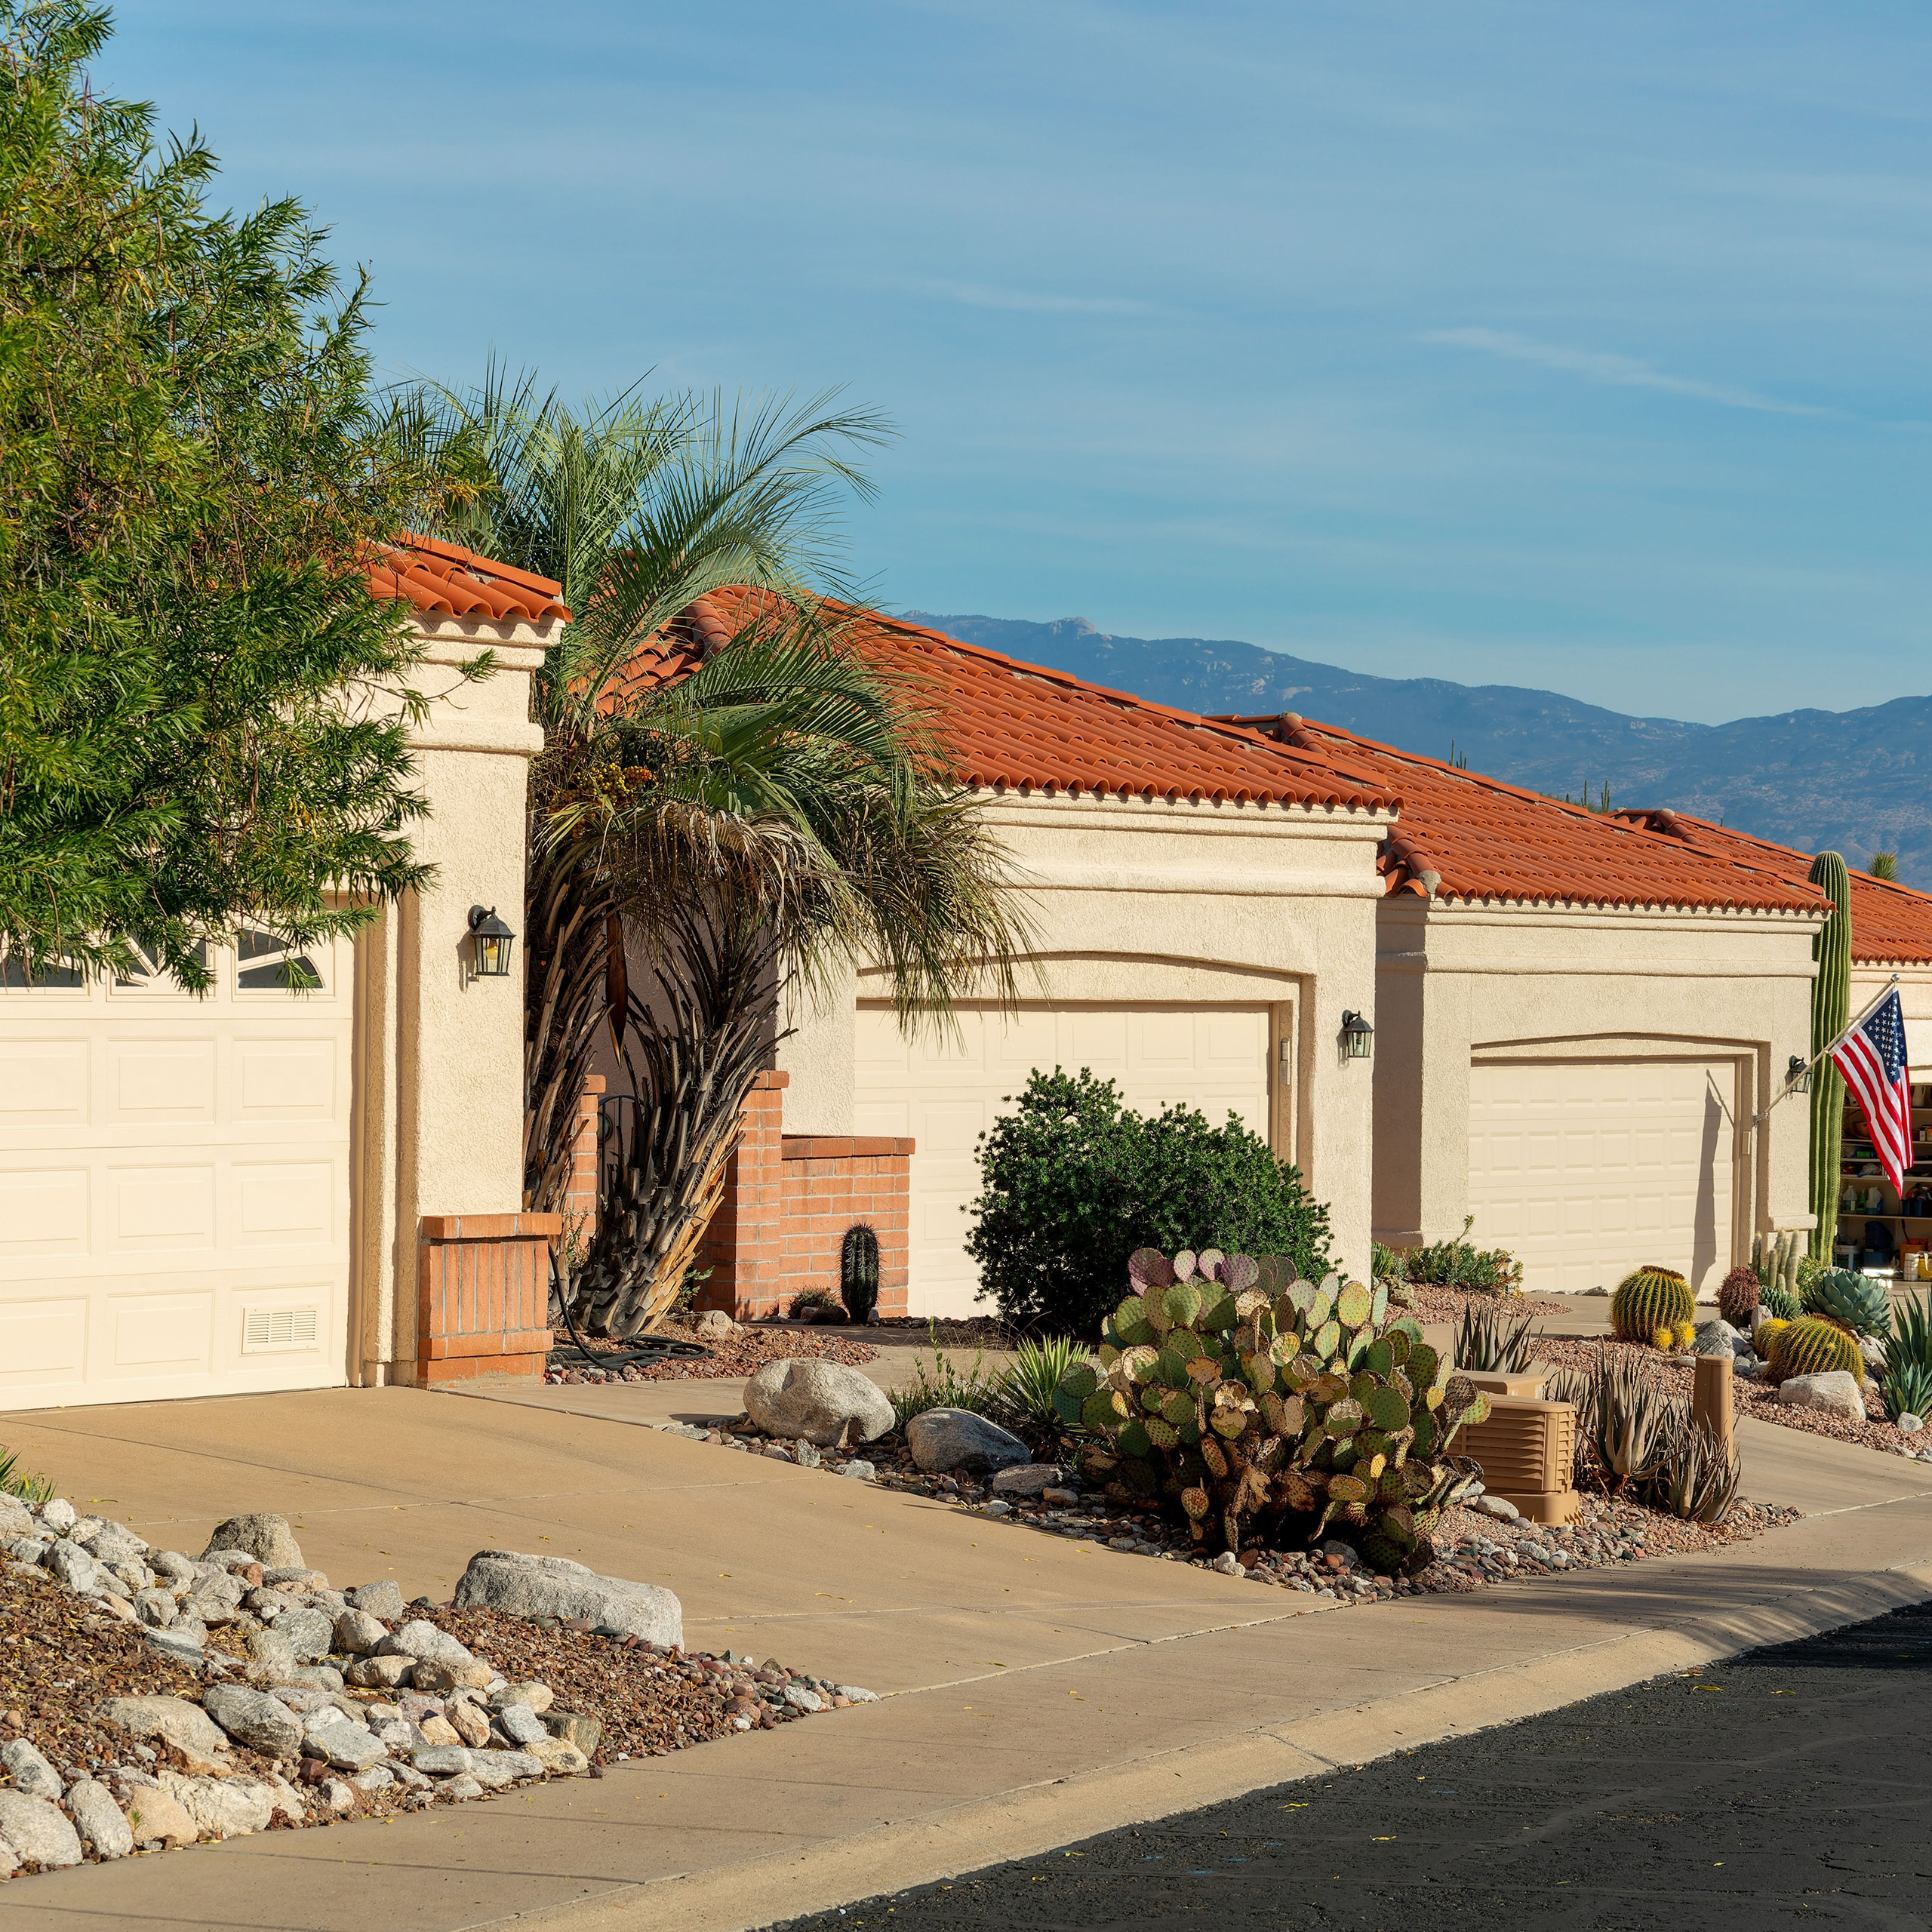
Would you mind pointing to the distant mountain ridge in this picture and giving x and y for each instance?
(1853, 782)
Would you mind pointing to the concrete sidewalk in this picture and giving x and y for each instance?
(1038, 1691)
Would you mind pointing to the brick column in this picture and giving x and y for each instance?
(483, 1288)
(580, 1202)
(744, 1246)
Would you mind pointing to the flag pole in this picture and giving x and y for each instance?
(1849, 1025)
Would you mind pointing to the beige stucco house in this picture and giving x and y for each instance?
(263, 1189)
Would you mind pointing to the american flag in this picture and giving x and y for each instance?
(1871, 1056)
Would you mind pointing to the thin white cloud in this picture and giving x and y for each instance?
(1618, 372)
(986, 295)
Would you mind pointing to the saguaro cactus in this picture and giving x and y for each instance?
(1831, 1007)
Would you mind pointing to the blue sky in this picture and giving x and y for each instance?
(1576, 347)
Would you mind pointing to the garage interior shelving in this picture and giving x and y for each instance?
(1909, 1217)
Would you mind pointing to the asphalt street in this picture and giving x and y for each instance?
(1788, 1786)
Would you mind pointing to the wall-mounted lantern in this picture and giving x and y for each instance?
(1798, 1076)
(490, 941)
(1358, 1037)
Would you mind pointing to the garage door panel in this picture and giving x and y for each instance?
(1212, 1058)
(207, 1162)
(1585, 1170)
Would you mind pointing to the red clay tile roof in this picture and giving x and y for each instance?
(445, 580)
(1484, 840)
(1891, 924)
(1010, 725)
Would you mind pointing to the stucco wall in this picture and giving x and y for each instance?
(1187, 902)
(1459, 981)
(439, 1051)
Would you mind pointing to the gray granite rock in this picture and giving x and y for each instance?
(16, 1518)
(350, 1748)
(102, 1824)
(538, 1696)
(1028, 1479)
(945, 1439)
(154, 1607)
(493, 1770)
(443, 1761)
(36, 1830)
(268, 1539)
(381, 1673)
(1837, 1392)
(533, 1586)
(520, 1725)
(74, 1566)
(310, 1633)
(383, 1599)
(419, 1638)
(32, 1772)
(825, 1402)
(224, 1807)
(186, 1726)
(262, 1723)
(1716, 1338)
(59, 1515)
(357, 1633)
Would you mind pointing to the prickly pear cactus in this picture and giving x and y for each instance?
(1261, 1405)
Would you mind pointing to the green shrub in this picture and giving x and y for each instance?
(1459, 1264)
(1073, 1181)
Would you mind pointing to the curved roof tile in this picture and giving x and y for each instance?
(444, 580)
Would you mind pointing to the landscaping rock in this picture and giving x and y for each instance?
(36, 1830)
(825, 1402)
(158, 1817)
(311, 1632)
(267, 1539)
(437, 1729)
(1228, 1563)
(154, 1607)
(560, 1758)
(348, 1747)
(493, 1770)
(800, 1699)
(262, 1723)
(1837, 1392)
(443, 1761)
(382, 1673)
(1028, 1479)
(32, 1772)
(585, 1733)
(538, 1697)
(470, 1722)
(274, 1655)
(714, 1323)
(421, 1640)
(532, 1586)
(1908, 1424)
(357, 1633)
(860, 1471)
(103, 1826)
(59, 1515)
(174, 1720)
(1873, 1350)
(383, 1599)
(946, 1439)
(521, 1725)
(74, 1566)
(224, 1807)
(1716, 1338)
(183, 1643)
(1500, 1507)
(16, 1518)
(437, 1677)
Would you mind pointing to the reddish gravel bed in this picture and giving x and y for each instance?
(734, 1356)
(1432, 1304)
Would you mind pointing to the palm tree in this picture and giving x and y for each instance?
(726, 832)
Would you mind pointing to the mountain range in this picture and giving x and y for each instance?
(1853, 782)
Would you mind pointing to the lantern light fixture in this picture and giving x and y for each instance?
(1358, 1036)
(1798, 1075)
(490, 941)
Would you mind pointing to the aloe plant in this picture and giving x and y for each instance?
(1025, 1387)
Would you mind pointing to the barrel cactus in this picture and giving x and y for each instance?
(1264, 1405)
(1767, 1331)
(1855, 1302)
(1652, 1305)
(1812, 1346)
(1738, 1294)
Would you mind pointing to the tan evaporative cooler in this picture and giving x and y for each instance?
(1527, 1449)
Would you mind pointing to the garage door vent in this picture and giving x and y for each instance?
(265, 1330)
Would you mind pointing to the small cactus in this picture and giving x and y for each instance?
(1740, 1293)
(1650, 1299)
(858, 1271)
(1812, 1346)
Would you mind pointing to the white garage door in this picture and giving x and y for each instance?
(945, 1094)
(174, 1184)
(1584, 1170)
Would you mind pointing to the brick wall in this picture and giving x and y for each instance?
(580, 1203)
(483, 1287)
(788, 1200)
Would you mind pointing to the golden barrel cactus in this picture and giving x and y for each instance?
(1812, 1345)
(1651, 1300)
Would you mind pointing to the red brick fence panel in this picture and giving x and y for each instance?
(483, 1290)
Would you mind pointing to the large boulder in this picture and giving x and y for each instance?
(174, 1720)
(224, 1807)
(102, 1824)
(36, 1830)
(535, 1586)
(945, 1439)
(1837, 1392)
(255, 1718)
(157, 1817)
(267, 1539)
(824, 1401)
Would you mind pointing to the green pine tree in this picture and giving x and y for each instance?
(193, 467)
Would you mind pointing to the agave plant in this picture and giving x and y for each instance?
(15, 1481)
(1025, 1387)
(1697, 1477)
(1855, 1302)
(1265, 1405)
(1633, 1420)
(1488, 1343)
(1907, 1391)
